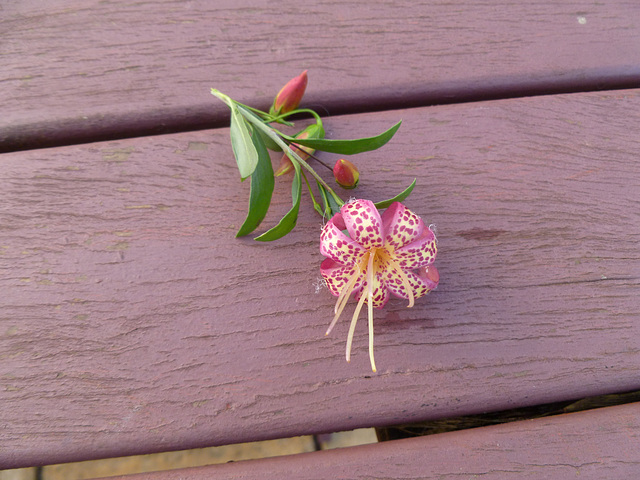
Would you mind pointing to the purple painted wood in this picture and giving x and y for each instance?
(594, 445)
(132, 321)
(78, 70)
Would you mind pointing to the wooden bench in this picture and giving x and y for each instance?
(132, 321)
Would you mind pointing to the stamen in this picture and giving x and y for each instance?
(370, 307)
(405, 281)
(345, 293)
(343, 298)
(352, 327)
(346, 290)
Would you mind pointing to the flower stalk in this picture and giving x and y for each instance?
(369, 255)
(252, 135)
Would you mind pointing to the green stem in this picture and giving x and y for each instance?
(316, 205)
(308, 110)
(319, 161)
(290, 153)
(295, 112)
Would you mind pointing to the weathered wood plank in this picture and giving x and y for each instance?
(86, 70)
(594, 445)
(132, 321)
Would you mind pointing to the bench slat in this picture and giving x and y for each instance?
(86, 70)
(595, 444)
(132, 321)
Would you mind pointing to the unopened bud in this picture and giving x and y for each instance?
(289, 97)
(346, 174)
(285, 166)
(312, 131)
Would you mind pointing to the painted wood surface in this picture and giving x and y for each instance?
(79, 70)
(132, 320)
(594, 445)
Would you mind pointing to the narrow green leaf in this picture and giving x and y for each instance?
(262, 182)
(316, 205)
(269, 143)
(330, 204)
(347, 147)
(289, 220)
(398, 198)
(243, 147)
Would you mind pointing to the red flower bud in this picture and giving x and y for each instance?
(289, 97)
(346, 174)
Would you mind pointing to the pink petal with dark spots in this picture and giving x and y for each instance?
(363, 223)
(338, 221)
(336, 245)
(401, 225)
(380, 292)
(337, 275)
(420, 283)
(419, 253)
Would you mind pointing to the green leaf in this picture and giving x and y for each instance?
(398, 198)
(268, 142)
(331, 206)
(289, 220)
(243, 147)
(347, 147)
(262, 182)
(316, 205)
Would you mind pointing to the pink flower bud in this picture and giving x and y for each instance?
(285, 166)
(312, 131)
(289, 97)
(346, 174)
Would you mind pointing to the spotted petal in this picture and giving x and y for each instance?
(419, 253)
(401, 225)
(337, 275)
(421, 283)
(380, 291)
(337, 246)
(392, 277)
(363, 223)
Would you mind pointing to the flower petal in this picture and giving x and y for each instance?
(337, 246)
(380, 291)
(422, 282)
(337, 275)
(401, 225)
(338, 221)
(363, 222)
(430, 276)
(419, 253)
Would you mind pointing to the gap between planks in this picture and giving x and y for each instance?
(164, 121)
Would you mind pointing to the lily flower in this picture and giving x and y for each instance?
(381, 255)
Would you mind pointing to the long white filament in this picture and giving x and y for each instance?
(352, 327)
(367, 295)
(370, 308)
(405, 281)
(345, 293)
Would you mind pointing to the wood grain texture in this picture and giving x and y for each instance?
(590, 445)
(132, 321)
(79, 70)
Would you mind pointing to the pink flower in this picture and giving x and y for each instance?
(289, 97)
(382, 254)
